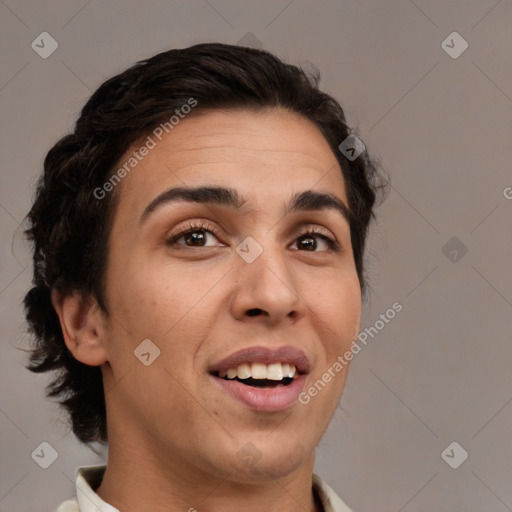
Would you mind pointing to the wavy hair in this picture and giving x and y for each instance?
(69, 227)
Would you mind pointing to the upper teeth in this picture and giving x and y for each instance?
(274, 371)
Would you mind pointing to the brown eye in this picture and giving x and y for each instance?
(315, 242)
(195, 236)
(307, 243)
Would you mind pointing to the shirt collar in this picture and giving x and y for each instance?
(331, 502)
(89, 478)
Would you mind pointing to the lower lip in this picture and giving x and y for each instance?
(264, 399)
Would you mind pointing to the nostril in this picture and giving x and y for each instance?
(254, 312)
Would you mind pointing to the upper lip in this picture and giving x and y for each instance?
(265, 355)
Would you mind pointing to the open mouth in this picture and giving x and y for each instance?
(263, 380)
(260, 375)
(261, 383)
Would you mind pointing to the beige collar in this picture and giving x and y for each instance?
(89, 478)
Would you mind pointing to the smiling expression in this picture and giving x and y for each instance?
(178, 276)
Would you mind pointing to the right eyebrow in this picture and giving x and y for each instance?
(213, 195)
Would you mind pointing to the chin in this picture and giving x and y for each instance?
(271, 463)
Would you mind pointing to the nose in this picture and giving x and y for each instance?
(266, 290)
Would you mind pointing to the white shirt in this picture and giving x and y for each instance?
(89, 478)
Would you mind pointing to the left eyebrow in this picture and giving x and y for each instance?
(302, 201)
(311, 200)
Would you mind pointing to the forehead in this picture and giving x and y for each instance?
(247, 131)
(261, 153)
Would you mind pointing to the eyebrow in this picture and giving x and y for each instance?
(302, 201)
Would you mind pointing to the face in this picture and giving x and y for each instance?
(241, 282)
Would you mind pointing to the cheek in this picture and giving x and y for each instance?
(336, 312)
(170, 305)
(155, 296)
(336, 306)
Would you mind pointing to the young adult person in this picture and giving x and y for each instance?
(198, 267)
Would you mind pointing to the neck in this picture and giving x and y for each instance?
(138, 479)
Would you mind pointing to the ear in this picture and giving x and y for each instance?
(81, 321)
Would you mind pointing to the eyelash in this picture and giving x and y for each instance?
(334, 245)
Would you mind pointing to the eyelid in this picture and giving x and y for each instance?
(320, 231)
(311, 227)
(304, 230)
(194, 225)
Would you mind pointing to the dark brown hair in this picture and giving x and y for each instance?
(69, 226)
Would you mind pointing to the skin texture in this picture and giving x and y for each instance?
(174, 434)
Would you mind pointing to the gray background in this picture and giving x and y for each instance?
(440, 370)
